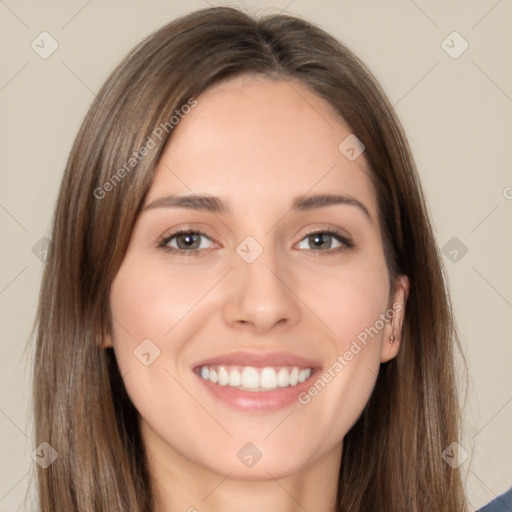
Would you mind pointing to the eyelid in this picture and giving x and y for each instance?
(345, 241)
(169, 235)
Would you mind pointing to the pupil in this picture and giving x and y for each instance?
(320, 239)
(187, 240)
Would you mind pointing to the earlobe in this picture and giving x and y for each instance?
(106, 342)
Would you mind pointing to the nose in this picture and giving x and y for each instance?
(260, 296)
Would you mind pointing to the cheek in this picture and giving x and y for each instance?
(362, 301)
(353, 311)
(148, 300)
(152, 305)
(157, 309)
(348, 301)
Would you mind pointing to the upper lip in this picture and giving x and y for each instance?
(259, 360)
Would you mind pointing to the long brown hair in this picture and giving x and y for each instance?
(392, 455)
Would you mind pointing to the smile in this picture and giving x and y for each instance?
(250, 378)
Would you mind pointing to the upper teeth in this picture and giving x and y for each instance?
(255, 379)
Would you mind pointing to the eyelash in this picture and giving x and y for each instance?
(346, 243)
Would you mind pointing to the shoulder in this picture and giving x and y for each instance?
(502, 503)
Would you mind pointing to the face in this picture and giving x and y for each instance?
(252, 308)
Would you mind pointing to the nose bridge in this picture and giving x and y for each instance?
(259, 292)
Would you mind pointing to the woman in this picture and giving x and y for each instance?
(243, 295)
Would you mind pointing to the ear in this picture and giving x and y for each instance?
(394, 327)
(106, 342)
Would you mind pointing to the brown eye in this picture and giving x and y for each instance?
(324, 240)
(185, 241)
(188, 241)
(321, 241)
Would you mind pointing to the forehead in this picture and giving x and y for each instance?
(258, 139)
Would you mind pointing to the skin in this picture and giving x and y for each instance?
(257, 144)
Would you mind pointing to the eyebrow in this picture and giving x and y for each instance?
(216, 205)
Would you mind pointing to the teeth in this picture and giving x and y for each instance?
(235, 379)
(268, 378)
(249, 378)
(283, 378)
(223, 376)
(294, 376)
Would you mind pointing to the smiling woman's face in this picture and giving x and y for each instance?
(250, 287)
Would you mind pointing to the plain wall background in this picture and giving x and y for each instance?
(455, 111)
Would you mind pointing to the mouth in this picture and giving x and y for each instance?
(255, 381)
(249, 378)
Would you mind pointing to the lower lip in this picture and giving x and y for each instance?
(266, 401)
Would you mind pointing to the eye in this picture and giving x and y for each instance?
(191, 242)
(185, 241)
(322, 241)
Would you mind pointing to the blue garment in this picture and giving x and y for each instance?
(502, 503)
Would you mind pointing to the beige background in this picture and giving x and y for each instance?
(456, 112)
